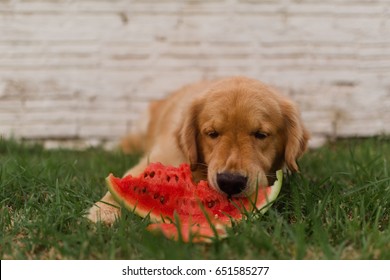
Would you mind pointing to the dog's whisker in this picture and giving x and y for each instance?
(202, 164)
(273, 176)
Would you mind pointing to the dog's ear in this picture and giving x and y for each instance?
(187, 134)
(296, 134)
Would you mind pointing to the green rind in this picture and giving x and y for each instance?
(275, 190)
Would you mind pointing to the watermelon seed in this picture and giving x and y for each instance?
(135, 188)
(162, 199)
(177, 178)
(144, 190)
(156, 195)
(152, 174)
(168, 178)
(210, 204)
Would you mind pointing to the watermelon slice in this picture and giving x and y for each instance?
(183, 210)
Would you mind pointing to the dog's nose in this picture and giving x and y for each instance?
(231, 183)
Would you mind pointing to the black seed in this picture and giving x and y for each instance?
(156, 195)
(152, 174)
(144, 190)
(162, 199)
(168, 178)
(211, 204)
(177, 178)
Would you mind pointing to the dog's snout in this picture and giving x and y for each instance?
(231, 183)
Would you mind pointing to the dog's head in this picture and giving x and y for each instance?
(242, 131)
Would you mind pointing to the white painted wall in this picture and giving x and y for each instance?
(86, 69)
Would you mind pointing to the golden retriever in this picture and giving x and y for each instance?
(234, 132)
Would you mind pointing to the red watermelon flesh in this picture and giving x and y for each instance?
(167, 193)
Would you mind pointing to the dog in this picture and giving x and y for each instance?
(234, 132)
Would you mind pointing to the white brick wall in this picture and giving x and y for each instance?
(86, 69)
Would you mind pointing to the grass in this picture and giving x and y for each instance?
(338, 207)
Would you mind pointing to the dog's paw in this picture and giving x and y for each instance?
(102, 212)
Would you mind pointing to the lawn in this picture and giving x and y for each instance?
(338, 207)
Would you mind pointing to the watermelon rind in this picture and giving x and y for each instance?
(275, 190)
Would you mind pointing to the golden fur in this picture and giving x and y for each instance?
(234, 129)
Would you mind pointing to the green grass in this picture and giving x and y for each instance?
(338, 207)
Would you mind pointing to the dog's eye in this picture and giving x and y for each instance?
(260, 135)
(213, 134)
